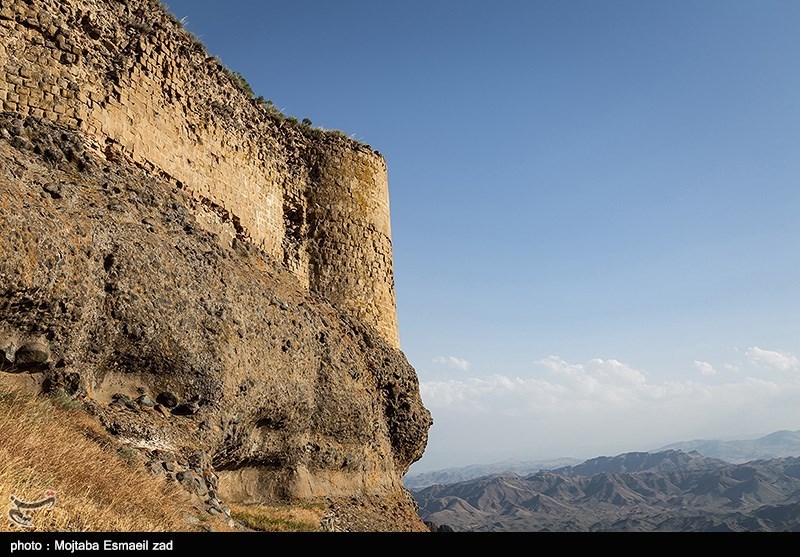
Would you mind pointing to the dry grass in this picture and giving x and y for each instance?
(46, 445)
(303, 518)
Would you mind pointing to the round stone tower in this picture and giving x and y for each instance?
(349, 235)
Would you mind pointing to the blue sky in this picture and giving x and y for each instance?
(594, 204)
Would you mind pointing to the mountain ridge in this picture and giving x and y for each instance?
(667, 492)
(777, 444)
(773, 445)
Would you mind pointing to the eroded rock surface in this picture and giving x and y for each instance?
(112, 291)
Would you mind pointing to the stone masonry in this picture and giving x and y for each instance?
(127, 76)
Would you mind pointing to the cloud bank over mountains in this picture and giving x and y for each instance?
(606, 404)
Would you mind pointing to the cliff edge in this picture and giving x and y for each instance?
(211, 279)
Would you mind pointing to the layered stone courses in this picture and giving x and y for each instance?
(127, 76)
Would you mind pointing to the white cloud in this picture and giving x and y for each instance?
(771, 359)
(596, 381)
(595, 375)
(705, 368)
(493, 394)
(452, 361)
(601, 406)
(732, 367)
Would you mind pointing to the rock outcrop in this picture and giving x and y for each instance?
(211, 279)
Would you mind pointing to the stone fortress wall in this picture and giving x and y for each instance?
(127, 75)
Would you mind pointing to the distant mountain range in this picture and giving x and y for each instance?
(668, 491)
(463, 473)
(774, 445)
(700, 485)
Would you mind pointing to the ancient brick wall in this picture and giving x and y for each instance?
(127, 75)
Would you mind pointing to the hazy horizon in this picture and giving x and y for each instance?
(429, 465)
(594, 205)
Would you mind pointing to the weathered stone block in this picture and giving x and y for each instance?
(159, 113)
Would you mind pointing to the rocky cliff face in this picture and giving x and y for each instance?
(129, 78)
(264, 355)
